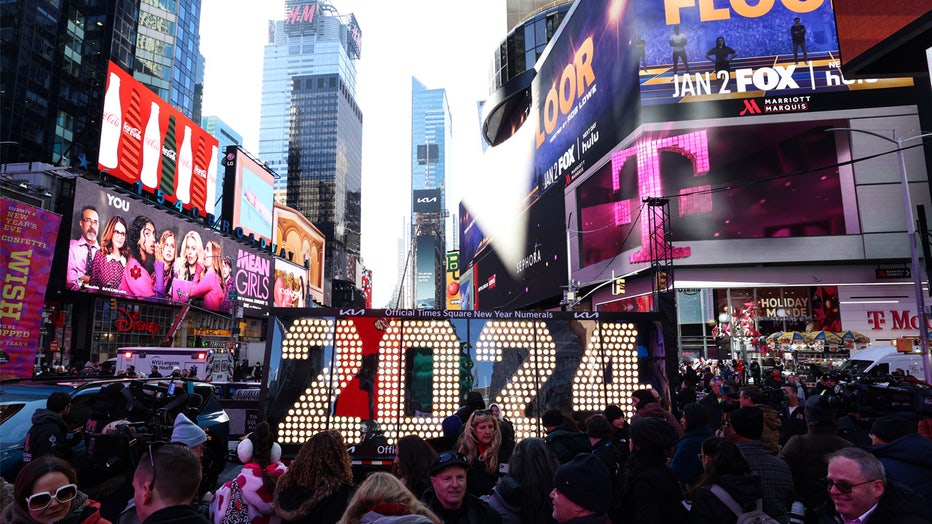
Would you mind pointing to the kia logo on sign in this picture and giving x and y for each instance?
(352, 312)
(426, 200)
(586, 315)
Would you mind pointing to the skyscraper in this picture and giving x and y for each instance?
(168, 58)
(226, 136)
(311, 129)
(431, 131)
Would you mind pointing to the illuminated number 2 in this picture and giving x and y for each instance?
(536, 369)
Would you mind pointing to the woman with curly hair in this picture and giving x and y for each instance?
(413, 458)
(383, 499)
(46, 491)
(257, 481)
(481, 443)
(319, 483)
(522, 496)
(137, 277)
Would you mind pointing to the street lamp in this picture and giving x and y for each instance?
(911, 231)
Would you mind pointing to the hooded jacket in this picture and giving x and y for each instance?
(257, 498)
(709, 509)
(325, 505)
(47, 436)
(908, 460)
(655, 410)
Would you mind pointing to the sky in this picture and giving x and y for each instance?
(445, 45)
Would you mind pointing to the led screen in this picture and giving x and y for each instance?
(141, 252)
(289, 288)
(727, 183)
(403, 371)
(146, 141)
(250, 196)
(778, 74)
(302, 243)
(426, 274)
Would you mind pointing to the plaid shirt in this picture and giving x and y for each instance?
(776, 478)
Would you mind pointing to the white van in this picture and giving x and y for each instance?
(210, 365)
(883, 360)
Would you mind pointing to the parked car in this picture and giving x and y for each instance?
(19, 399)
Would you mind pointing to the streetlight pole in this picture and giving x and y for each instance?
(911, 231)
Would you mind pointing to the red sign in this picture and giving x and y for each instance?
(130, 321)
(146, 141)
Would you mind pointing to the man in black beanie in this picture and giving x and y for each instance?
(582, 491)
(746, 427)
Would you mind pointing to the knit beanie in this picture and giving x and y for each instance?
(891, 427)
(613, 413)
(187, 432)
(644, 397)
(552, 417)
(586, 481)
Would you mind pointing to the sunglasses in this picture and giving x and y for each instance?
(482, 412)
(450, 456)
(842, 486)
(39, 501)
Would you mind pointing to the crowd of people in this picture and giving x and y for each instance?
(715, 450)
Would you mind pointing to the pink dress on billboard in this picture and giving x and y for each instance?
(137, 281)
(210, 288)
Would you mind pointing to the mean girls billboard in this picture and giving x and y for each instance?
(123, 247)
(146, 141)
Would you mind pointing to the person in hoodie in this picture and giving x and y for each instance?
(49, 433)
(257, 480)
(562, 436)
(383, 499)
(46, 491)
(647, 406)
(905, 454)
(318, 485)
(723, 465)
(685, 463)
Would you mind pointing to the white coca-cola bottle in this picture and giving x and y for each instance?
(111, 125)
(185, 168)
(211, 181)
(151, 150)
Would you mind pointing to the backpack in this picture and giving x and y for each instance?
(755, 516)
(237, 511)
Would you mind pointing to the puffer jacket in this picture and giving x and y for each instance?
(258, 499)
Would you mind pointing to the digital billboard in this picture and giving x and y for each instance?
(427, 200)
(425, 288)
(453, 280)
(541, 270)
(738, 182)
(26, 253)
(125, 247)
(249, 194)
(767, 61)
(290, 285)
(302, 243)
(146, 141)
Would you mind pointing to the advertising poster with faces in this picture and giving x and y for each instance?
(124, 247)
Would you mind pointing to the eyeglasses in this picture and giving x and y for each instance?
(450, 456)
(39, 501)
(842, 486)
(118, 233)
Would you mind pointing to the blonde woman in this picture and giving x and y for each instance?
(382, 498)
(189, 265)
(210, 286)
(481, 443)
(164, 262)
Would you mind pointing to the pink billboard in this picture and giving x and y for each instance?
(147, 142)
(25, 262)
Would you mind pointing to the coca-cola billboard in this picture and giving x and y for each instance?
(147, 142)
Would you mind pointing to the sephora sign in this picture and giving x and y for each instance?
(147, 142)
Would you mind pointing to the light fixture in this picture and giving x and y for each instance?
(23, 185)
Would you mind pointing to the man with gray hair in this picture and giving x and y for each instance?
(860, 494)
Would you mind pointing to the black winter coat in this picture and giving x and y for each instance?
(897, 505)
(650, 494)
(709, 509)
(47, 436)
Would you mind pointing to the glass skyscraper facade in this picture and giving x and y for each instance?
(226, 136)
(431, 131)
(168, 58)
(311, 132)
